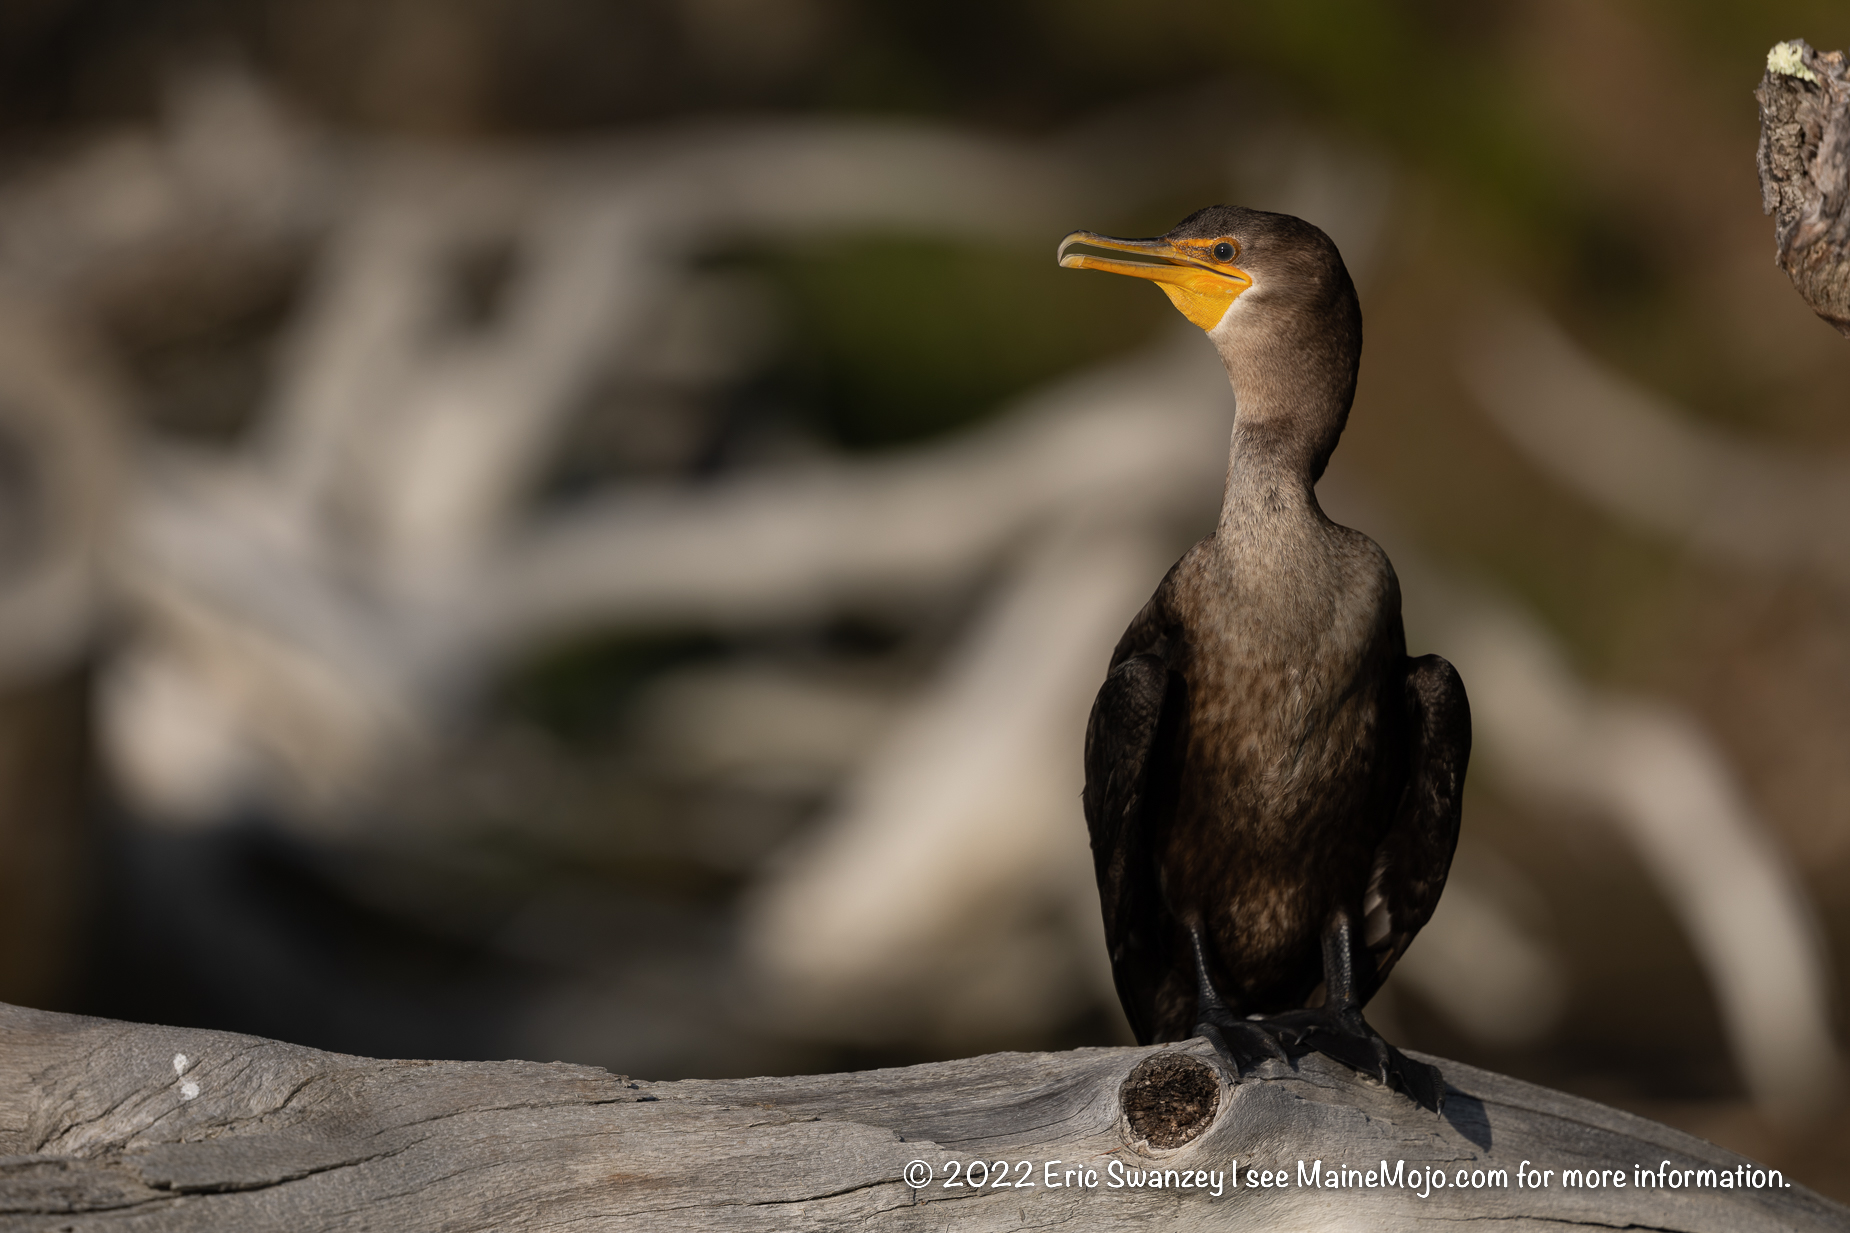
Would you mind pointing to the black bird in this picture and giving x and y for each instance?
(1272, 785)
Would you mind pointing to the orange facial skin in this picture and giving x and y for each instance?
(1201, 286)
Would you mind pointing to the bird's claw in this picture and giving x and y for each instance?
(1346, 1038)
(1244, 1043)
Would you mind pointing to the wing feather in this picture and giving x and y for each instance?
(1128, 742)
(1414, 858)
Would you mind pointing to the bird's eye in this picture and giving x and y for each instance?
(1223, 251)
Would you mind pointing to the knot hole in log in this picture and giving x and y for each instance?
(1169, 1099)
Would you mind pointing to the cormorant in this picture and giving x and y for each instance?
(1272, 785)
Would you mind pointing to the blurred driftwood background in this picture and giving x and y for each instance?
(590, 531)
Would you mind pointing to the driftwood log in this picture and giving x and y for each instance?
(1804, 164)
(107, 1125)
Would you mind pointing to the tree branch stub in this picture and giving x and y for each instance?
(1804, 161)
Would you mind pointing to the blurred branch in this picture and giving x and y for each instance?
(229, 170)
(1125, 438)
(60, 469)
(1644, 766)
(1658, 779)
(311, 608)
(1804, 161)
(963, 827)
(170, 1128)
(1648, 463)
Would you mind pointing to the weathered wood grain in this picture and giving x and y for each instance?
(1804, 162)
(100, 1130)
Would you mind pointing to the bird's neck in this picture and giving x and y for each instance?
(1266, 484)
(1292, 390)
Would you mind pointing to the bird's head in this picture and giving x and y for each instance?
(1222, 256)
(1272, 293)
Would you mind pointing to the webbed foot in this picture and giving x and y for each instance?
(1347, 1038)
(1244, 1043)
(1336, 1030)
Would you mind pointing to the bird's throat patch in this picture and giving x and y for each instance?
(1204, 305)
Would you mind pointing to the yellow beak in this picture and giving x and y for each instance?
(1201, 288)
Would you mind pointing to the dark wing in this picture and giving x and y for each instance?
(1129, 749)
(1411, 864)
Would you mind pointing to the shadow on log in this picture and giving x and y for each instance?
(107, 1125)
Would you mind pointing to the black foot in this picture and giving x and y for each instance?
(1347, 1038)
(1243, 1042)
